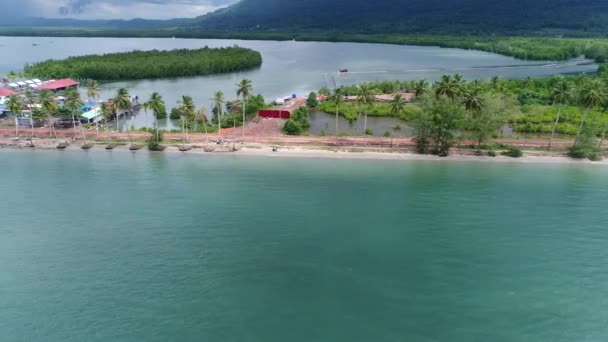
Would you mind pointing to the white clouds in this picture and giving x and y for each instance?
(112, 9)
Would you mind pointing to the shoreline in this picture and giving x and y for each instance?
(264, 150)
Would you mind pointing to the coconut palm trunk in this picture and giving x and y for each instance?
(16, 127)
(559, 111)
(580, 128)
(74, 124)
(206, 133)
(84, 135)
(183, 131)
(234, 133)
(53, 130)
(244, 109)
(365, 125)
(394, 128)
(337, 113)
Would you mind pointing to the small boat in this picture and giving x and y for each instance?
(343, 71)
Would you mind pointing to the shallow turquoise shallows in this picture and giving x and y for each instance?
(114, 246)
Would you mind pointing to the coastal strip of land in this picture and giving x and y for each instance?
(372, 148)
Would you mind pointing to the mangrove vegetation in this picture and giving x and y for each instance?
(148, 64)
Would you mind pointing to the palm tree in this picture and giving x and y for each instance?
(73, 103)
(337, 99)
(560, 95)
(157, 105)
(450, 87)
(218, 108)
(244, 89)
(187, 110)
(592, 95)
(495, 82)
(472, 101)
(397, 106)
(93, 90)
(106, 113)
(122, 102)
(15, 105)
(365, 98)
(30, 98)
(459, 81)
(201, 115)
(49, 106)
(421, 87)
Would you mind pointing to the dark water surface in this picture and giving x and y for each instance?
(136, 247)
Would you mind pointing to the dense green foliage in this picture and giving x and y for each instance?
(436, 125)
(311, 100)
(587, 146)
(298, 123)
(291, 127)
(350, 110)
(148, 64)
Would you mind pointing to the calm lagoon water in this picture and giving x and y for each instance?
(288, 68)
(114, 246)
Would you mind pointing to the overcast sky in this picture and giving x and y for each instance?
(111, 9)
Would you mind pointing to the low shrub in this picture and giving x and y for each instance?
(491, 154)
(291, 127)
(513, 152)
(582, 151)
(154, 145)
(368, 131)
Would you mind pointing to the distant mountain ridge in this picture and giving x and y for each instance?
(413, 16)
(449, 17)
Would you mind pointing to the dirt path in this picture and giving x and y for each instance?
(266, 132)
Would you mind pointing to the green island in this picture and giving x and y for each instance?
(148, 64)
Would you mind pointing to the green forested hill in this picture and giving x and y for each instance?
(588, 17)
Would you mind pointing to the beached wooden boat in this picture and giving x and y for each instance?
(62, 145)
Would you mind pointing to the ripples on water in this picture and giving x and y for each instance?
(106, 246)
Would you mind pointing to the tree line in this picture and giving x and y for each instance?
(148, 64)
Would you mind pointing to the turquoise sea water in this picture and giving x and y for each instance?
(136, 247)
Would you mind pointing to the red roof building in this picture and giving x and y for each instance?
(59, 85)
(284, 111)
(5, 92)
